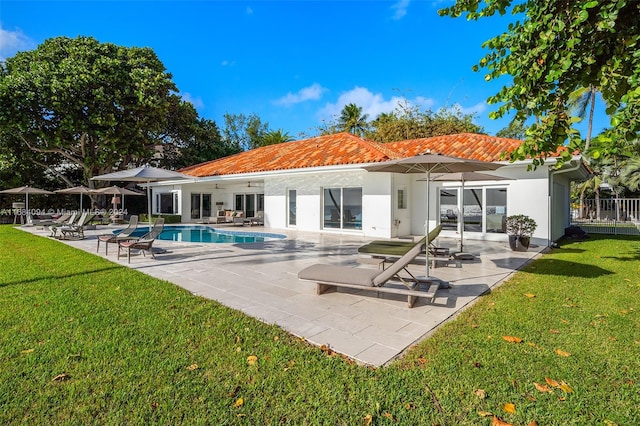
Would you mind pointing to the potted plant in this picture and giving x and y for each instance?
(520, 229)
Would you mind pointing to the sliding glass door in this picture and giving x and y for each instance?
(342, 208)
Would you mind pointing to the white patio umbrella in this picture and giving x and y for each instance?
(145, 174)
(431, 163)
(26, 190)
(463, 177)
(81, 189)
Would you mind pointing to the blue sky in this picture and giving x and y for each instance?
(293, 63)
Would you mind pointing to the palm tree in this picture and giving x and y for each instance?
(579, 100)
(352, 120)
(274, 137)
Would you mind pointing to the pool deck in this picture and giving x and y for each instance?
(260, 279)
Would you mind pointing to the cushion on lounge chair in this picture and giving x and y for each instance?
(339, 274)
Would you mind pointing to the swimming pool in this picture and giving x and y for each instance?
(206, 234)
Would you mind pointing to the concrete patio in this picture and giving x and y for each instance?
(260, 279)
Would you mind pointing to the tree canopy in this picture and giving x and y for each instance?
(552, 49)
(78, 105)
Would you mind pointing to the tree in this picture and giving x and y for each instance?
(83, 105)
(407, 121)
(273, 137)
(631, 174)
(515, 130)
(205, 144)
(579, 101)
(352, 120)
(553, 49)
(244, 132)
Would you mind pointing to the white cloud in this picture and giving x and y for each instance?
(311, 93)
(196, 101)
(12, 42)
(400, 9)
(226, 63)
(372, 104)
(476, 109)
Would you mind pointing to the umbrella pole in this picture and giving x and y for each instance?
(149, 203)
(462, 219)
(426, 231)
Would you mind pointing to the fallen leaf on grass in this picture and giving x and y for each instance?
(562, 353)
(530, 295)
(554, 331)
(512, 339)
(480, 393)
(239, 403)
(565, 387)
(422, 361)
(533, 423)
(498, 422)
(509, 408)
(542, 388)
(551, 382)
(533, 345)
(27, 351)
(389, 416)
(368, 419)
(252, 360)
(485, 413)
(192, 367)
(61, 378)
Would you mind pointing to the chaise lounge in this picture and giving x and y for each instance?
(123, 235)
(144, 243)
(389, 250)
(329, 277)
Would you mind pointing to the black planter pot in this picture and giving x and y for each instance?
(519, 243)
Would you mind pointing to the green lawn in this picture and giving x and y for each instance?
(84, 340)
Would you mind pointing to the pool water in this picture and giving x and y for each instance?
(206, 234)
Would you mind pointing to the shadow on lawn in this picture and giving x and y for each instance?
(565, 268)
(76, 274)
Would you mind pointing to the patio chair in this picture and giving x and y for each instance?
(41, 223)
(144, 243)
(123, 235)
(258, 219)
(76, 230)
(54, 228)
(388, 250)
(329, 277)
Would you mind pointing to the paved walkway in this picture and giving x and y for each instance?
(261, 281)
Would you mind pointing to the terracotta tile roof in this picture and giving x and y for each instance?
(345, 148)
(464, 145)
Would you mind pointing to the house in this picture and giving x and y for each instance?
(319, 184)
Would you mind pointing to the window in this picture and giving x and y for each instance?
(247, 203)
(195, 206)
(484, 209)
(402, 199)
(449, 209)
(472, 206)
(496, 210)
(200, 206)
(342, 208)
(292, 207)
(166, 203)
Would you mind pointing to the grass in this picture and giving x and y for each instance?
(86, 341)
